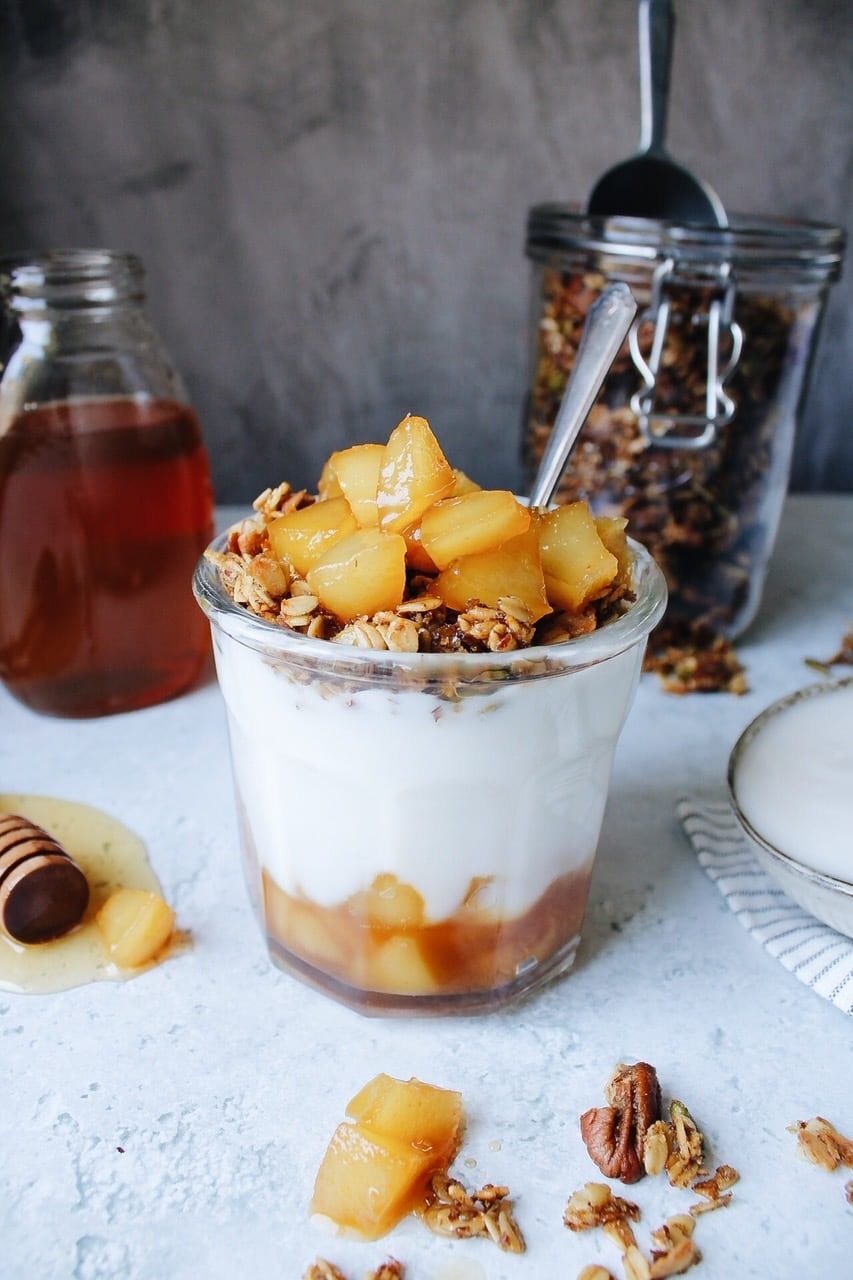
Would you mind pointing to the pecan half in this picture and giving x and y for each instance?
(615, 1135)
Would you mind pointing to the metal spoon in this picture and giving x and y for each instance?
(651, 184)
(607, 323)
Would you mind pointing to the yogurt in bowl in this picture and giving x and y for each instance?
(419, 827)
(790, 782)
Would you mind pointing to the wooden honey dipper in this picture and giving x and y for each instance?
(43, 892)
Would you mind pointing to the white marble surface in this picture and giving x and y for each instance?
(222, 1079)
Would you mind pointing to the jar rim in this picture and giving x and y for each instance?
(71, 275)
(296, 649)
(804, 251)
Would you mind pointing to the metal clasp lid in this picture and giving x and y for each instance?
(656, 425)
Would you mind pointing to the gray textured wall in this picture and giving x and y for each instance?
(330, 195)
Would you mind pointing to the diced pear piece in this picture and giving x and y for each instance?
(421, 1114)
(357, 472)
(388, 904)
(578, 567)
(398, 966)
(513, 569)
(472, 522)
(613, 533)
(135, 924)
(416, 554)
(302, 536)
(303, 928)
(327, 485)
(414, 474)
(464, 483)
(368, 1181)
(363, 573)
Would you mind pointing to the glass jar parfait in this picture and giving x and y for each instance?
(419, 829)
(105, 498)
(692, 434)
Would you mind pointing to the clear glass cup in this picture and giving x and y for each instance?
(692, 434)
(105, 495)
(418, 830)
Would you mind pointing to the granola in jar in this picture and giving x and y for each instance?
(691, 436)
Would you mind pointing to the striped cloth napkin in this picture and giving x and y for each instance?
(816, 954)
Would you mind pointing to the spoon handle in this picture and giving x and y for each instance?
(607, 324)
(657, 32)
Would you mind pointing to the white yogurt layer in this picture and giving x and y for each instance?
(339, 786)
(794, 781)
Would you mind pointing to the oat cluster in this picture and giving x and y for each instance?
(461, 1215)
(322, 1269)
(822, 1144)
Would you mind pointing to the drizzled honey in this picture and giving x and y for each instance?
(112, 857)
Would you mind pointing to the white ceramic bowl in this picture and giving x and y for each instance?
(827, 897)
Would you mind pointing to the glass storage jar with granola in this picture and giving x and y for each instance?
(691, 436)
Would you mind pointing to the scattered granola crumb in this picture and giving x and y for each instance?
(390, 1270)
(594, 1272)
(594, 1205)
(822, 1144)
(675, 1261)
(843, 658)
(674, 1251)
(697, 662)
(322, 1269)
(688, 1147)
(462, 1215)
(848, 1191)
(715, 1189)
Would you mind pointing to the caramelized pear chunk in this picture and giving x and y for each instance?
(414, 474)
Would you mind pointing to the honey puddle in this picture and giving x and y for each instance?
(112, 857)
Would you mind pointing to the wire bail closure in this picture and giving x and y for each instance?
(656, 425)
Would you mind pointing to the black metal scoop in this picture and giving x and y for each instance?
(651, 184)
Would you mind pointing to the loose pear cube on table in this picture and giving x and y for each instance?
(577, 566)
(513, 569)
(368, 1181)
(414, 1112)
(356, 471)
(468, 523)
(304, 535)
(363, 573)
(378, 1169)
(135, 925)
(414, 474)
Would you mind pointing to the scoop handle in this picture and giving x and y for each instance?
(607, 323)
(657, 33)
